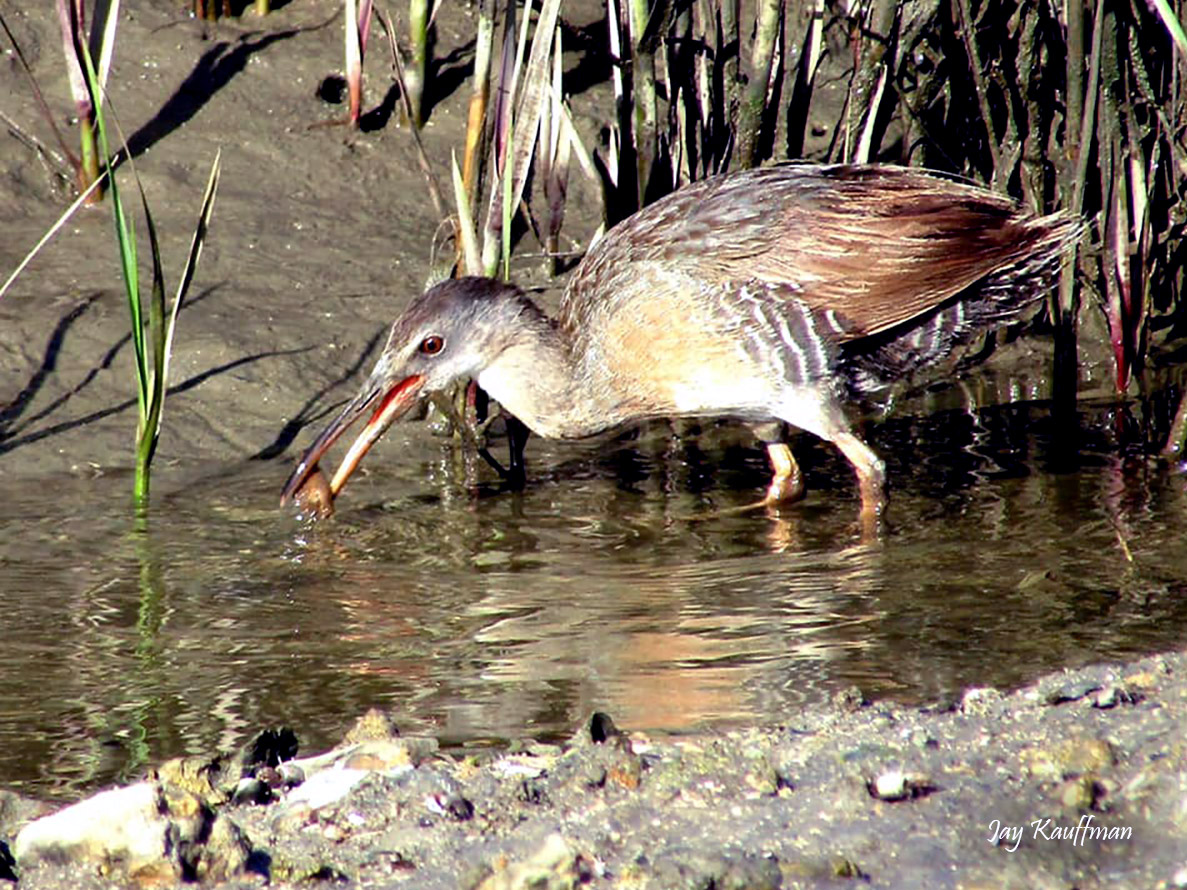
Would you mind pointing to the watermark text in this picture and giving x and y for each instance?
(1078, 833)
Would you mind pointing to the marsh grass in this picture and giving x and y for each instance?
(153, 320)
(525, 96)
(152, 337)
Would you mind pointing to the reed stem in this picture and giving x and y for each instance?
(416, 72)
(754, 99)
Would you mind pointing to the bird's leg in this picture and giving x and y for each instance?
(479, 401)
(871, 479)
(514, 475)
(787, 480)
(517, 438)
(787, 483)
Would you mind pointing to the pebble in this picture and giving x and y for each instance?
(291, 775)
(979, 699)
(251, 790)
(895, 785)
(1073, 691)
(454, 805)
(1113, 695)
(891, 786)
(602, 728)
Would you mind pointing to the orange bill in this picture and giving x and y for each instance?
(392, 403)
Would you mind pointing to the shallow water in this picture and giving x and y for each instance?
(480, 615)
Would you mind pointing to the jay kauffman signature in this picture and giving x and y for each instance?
(1010, 836)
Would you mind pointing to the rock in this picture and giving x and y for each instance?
(553, 867)
(290, 775)
(225, 853)
(202, 776)
(890, 786)
(1080, 793)
(326, 787)
(820, 871)
(377, 755)
(602, 728)
(251, 791)
(371, 727)
(1113, 695)
(118, 827)
(382, 755)
(1071, 691)
(895, 784)
(979, 699)
(849, 700)
(454, 805)
(16, 811)
(685, 867)
(1068, 759)
(146, 832)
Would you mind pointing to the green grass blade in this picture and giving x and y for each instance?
(146, 442)
(126, 238)
(191, 263)
(102, 38)
(1173, 27)
(162, 325)
(471, 258)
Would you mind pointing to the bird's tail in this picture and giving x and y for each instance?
(872, 364)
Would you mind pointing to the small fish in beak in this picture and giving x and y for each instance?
(307, 485)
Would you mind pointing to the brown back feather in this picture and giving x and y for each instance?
(879, 246)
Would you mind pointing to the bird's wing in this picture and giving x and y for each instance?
(876, 246)
(881, 259)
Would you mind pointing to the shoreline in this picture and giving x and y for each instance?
(1074, 780)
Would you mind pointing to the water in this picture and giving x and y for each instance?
(480, 616)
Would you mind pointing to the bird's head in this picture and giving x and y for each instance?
(448, 334)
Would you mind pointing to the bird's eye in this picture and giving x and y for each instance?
(431, 345)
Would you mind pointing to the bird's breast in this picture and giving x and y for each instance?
(661, 353)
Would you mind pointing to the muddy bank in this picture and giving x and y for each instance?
(1074, 781)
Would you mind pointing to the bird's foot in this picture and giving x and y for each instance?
(787, 486)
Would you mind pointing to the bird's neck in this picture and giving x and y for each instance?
(537, 378)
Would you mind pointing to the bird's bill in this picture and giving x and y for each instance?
(393, 401)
